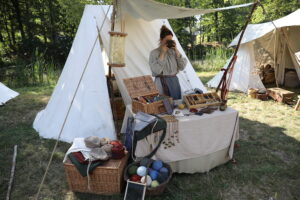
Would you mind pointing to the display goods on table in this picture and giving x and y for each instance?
(154, 173)
(145, 96)
(202, 100)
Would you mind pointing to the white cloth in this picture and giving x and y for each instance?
(255, 31)
(150, 10)
(78, 145)
(6, 94)
(90, 113)
(202, 163)
(198, 135)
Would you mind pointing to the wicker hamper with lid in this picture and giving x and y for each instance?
(105, 179)
(143, 86)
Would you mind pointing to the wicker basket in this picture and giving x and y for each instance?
(143, 86)
(105, 179)
(252, 93)
(157, 190)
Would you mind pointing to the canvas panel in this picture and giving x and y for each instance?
(91, 112)
(244, 74)
(6, 94)
(255, 31)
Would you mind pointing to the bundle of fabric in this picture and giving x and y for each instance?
(88, 153)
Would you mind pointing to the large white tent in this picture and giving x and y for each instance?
(279, 40)
(90, 113)
(6, 94)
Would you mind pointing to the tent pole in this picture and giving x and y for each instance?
(225, 82)
(110, 84)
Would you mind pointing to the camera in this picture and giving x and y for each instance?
(170, 43)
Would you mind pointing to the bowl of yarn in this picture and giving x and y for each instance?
(154, 173)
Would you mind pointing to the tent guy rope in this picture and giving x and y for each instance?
(68, 112)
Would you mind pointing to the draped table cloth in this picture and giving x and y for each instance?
(204, 141)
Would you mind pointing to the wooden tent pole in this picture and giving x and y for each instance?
(224, 82)
(110, 83)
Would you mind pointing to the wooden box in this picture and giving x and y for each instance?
(202, 100)
(119, 107)
(262, 96)
(105, 179)
(143, 86)
(281, 95)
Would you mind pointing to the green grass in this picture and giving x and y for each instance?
(267, 161)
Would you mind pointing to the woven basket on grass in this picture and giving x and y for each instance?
(149, 190)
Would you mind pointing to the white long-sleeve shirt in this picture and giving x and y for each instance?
(170, 65)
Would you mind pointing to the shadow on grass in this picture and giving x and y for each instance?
(267, 166)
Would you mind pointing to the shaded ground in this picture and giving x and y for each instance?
(267, 161)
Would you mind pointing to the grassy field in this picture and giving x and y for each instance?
(268, 160)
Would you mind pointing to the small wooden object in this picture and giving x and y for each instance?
(12, 173)
(281, 95)
(262, 96)
(104, 179)
(143, 86)
(298, 103)
(119, 107)
(252, 93)
(202, 100)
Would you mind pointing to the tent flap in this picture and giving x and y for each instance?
(150, 10)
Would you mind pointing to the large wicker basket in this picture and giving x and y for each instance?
(105, 179)
(143, 86)
(157, 190)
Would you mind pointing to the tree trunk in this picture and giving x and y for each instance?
(44, 27)
(12, 29)
(52, 24)
(19, 18)
(28, 23)
(216, 25)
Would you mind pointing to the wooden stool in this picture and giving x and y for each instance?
(298, 103)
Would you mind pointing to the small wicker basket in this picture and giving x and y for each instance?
(105, 179)
(156, 190)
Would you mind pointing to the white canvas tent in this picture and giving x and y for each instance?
(280, 41)
(6, 94)
(91, 113)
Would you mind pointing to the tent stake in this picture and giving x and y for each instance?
(12, 172)
(225, 82)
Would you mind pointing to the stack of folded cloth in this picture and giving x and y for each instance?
(88, 153)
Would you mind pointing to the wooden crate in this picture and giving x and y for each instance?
(143, 86)
(202, 100)
(280, 95)
(104, 179)
(119, 107)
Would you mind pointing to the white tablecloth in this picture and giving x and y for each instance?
(198, 135)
